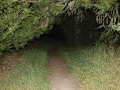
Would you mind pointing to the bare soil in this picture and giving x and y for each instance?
(60, 78)
(10, 60)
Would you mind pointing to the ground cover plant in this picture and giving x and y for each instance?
(31, 74)
(98, 67)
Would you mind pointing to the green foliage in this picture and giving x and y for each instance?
(116, 27)
(23, 20)
(104, 5)
(85, 3)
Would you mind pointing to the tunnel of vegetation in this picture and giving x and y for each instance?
(78, 20)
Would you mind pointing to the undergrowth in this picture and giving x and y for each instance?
(31, 74)
(98, 67)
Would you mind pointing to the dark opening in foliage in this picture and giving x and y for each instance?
(81, 32)
(56, 33)
(23, 20)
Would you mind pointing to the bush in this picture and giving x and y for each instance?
(23, 20)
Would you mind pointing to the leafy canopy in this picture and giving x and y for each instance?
(23, 20)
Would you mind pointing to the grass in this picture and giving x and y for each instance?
(96, 67)
(31, 74)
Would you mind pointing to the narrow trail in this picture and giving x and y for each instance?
(60, 78)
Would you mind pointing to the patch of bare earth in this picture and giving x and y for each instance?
(9, 61)
(60, 78)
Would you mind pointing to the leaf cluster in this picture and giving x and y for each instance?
(23, 20)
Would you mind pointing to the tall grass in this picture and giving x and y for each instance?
(98, 68)
(31, 74)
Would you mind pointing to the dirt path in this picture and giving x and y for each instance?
(60, 78)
